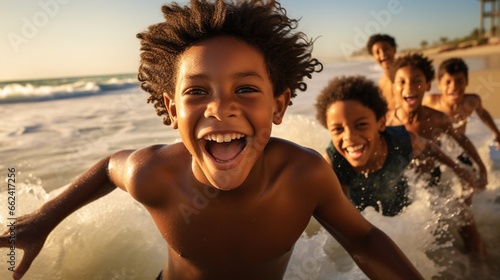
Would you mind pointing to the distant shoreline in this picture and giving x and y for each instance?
(435, 53)
(481, 50)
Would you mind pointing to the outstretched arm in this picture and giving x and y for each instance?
(423, 146)
(372, 250)
(32, 229)
(470, 150)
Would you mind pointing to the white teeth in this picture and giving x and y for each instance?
(353, 149)
(220, 138)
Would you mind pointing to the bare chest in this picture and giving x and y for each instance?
(426, 129)
(209, 232)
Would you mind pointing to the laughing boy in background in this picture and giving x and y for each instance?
(453, 78)
(383, 49)
(369, 158)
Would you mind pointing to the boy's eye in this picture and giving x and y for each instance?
(246, 89)
(195, 91)
(336, 130)
(361, 125)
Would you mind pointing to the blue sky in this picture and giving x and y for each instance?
(61, 38)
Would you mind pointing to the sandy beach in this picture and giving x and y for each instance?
(484, 72)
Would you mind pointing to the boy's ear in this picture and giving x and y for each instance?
(172, 110)
(280, 105)
(381, 124)
(428, 86)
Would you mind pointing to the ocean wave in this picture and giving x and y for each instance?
(53, 89)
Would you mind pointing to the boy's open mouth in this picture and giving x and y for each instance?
(453, 95)
(410, 99)
(355, 151)
(224, 147)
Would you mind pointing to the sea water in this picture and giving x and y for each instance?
(52, 131)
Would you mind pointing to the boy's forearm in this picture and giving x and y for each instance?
(91, 185)
(434, 151)
(470, 150)
(380, 258)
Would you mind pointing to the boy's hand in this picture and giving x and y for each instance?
(30, 237)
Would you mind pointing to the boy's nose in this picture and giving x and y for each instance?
(221, 108)
(348, 135)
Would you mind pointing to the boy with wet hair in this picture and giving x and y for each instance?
(383, 49)
(453, 78)
(369, 158)
(222, 74)
(411, 76)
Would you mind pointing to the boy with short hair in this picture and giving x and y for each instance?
(412, 75)
(453, 78)
(223, 74)
(383, 49)
(368, 157)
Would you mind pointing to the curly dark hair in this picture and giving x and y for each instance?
(453, 66)
(416, 60)
(375, 38)
(357, 88)
(264, 26)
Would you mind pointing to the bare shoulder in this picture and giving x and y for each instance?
(431, 99)
(433, 113)
(301, 165)
(436, 119)
(472, 96)
(146, 170)
(292, 153)
(145, 160)
(391, 119)
(472, 100)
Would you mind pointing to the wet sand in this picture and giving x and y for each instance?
(484, 73)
